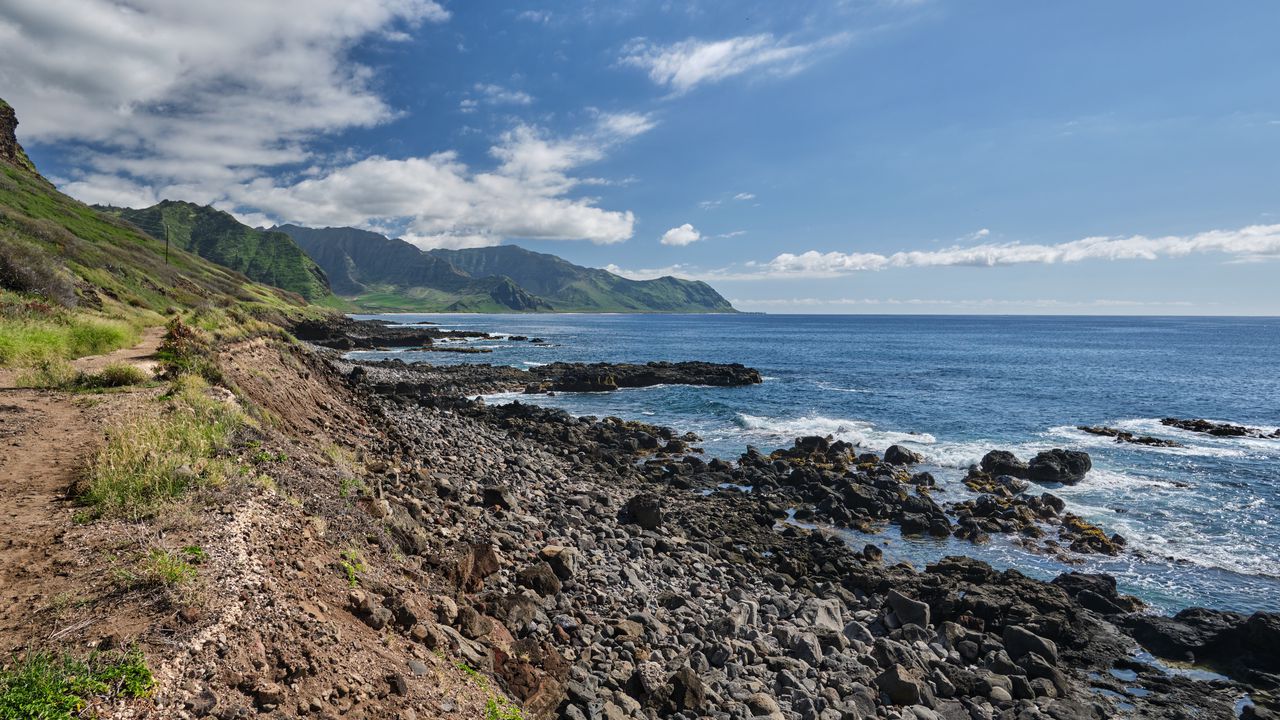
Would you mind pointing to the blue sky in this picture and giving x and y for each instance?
(874, 156)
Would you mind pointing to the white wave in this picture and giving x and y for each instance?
(1089, 440)
(837, 388)
(531, 363)
(858, 432)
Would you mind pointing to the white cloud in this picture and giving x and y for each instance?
(208, 101)
(681, 236)
(1255, 241)
(684, 65)
(1036, 306)
(498, 95)
(438, 201)
(709, 204)
(541, 17)
(198, 91)
(744, 196)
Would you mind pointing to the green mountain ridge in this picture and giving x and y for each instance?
(111, 263)
(383, 274)
(268, 257)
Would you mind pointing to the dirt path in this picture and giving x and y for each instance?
(142, 355)
(45, 438)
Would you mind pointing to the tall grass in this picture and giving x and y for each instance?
(28, 338)
(156, 455)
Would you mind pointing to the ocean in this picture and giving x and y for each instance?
(1203, 521)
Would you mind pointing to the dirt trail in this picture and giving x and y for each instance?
(46, 438)
(142, 355)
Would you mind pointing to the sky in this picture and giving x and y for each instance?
(848, 156)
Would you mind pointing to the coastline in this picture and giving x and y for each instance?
(645, 625)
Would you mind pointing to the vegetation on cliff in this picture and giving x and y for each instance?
(268, 257)
(381, 274)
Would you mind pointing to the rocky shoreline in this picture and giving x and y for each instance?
(605, 570)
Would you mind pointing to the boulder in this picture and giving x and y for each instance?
(904, 688)
(540, 578)
(898, 455)
(908, 611)
(1003, 462)
(1019, 641)
(644, 510)
(1061, 466)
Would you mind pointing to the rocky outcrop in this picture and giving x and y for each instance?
(1067, 467)
(342, 333)
(10, 150)
(602, 377)
(1239, 645)
(1059, 466)
(1218, 429)
(1124, 436)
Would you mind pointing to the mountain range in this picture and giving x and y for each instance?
(378, 273)
(359, 269)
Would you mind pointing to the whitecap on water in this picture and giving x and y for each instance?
(858, 432)
(837, 388)
(1081, 438)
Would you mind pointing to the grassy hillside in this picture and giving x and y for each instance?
(380, 274)
(572, 288)
(74, 281)
(263, 255)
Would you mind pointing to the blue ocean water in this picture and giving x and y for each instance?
(1203, 521)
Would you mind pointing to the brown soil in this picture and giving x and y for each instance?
(268, 615)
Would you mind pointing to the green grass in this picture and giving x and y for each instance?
(352, 565)
(43, 686)
(495, 708)
(157, 454)
(28, 337)
(60, 375)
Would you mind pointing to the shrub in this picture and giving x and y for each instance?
(26, 268)
(59, 688)
(113, 376)
(186, 349)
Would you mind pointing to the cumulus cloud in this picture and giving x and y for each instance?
(222, 103)
(439, 201)
(681, 236)
(684, 65)
(195, 90)
(1255, 241)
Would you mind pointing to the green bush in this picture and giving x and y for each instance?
(187, 350)
(46, 687)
